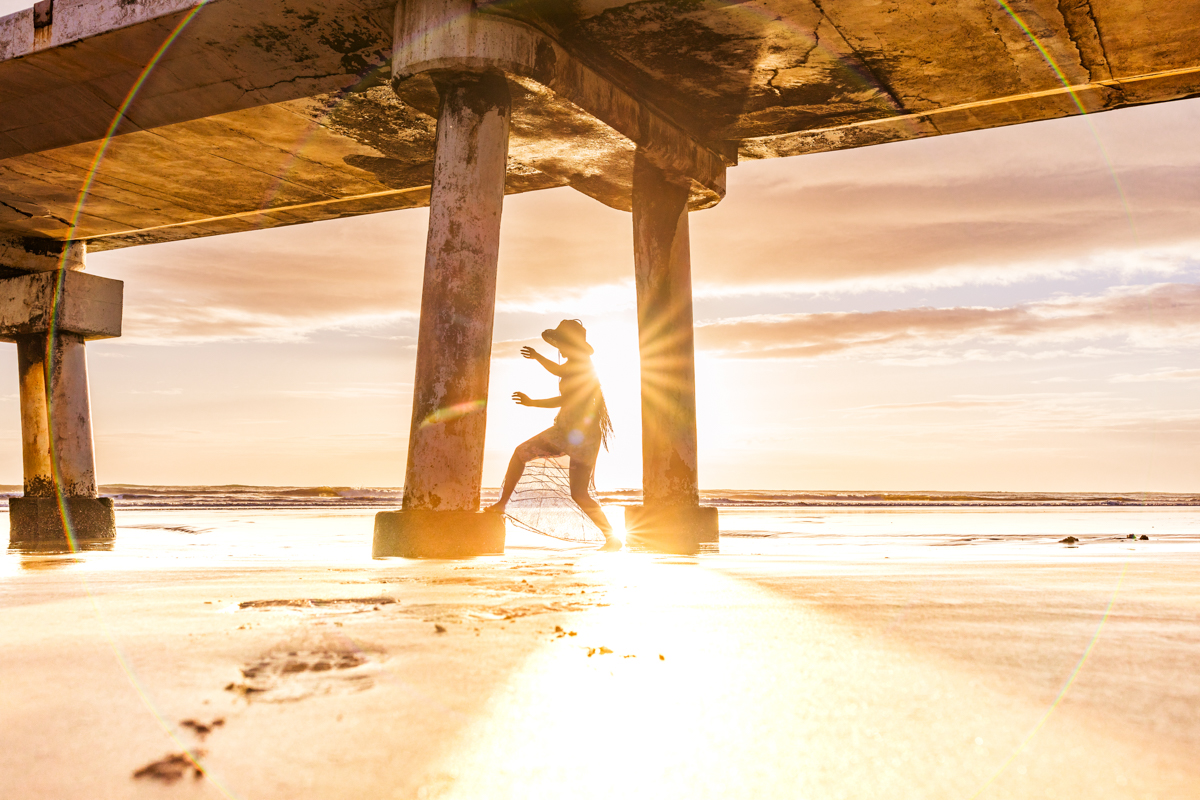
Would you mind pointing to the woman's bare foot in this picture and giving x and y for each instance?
(611, 544)
(494, 508)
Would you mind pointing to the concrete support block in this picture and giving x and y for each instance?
(41, 520)
(437, 534)
(458, 298)
(63, 300)
(684, 530)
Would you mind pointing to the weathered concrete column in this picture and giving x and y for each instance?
(670, 517)
(454, 346)
(71, 451)
(35, 416)
(49, 315)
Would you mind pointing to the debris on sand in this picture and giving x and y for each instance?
(439, 628)
(201, 729)
(1143, 538)
(1069, 540)
(173, 767)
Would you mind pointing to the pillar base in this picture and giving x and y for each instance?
(419, 533)
(685, 530)
(38, 519)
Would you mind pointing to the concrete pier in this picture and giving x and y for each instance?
(670, 518)
(454, 347)
(49, 315)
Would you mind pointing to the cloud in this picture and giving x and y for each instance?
(954, 404)
(1117, 192)
(1143, 316)
(1158, 375)
(559, 249)
(353, 392)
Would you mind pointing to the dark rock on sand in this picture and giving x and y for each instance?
(169, 769)
(200, 728)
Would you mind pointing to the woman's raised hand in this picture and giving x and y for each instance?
(522, 399)
(529, 352)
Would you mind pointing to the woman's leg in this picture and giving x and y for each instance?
(581, 480)
(537, 447)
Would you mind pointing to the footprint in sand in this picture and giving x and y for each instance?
(314, 663)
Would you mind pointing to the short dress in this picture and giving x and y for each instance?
(576, 430)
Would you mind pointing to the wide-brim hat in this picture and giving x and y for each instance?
(571, 333)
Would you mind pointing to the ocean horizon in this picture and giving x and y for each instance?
(234, 496)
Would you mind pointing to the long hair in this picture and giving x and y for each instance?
(606, 426)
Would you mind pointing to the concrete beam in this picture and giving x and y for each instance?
(38, 254)
(68, 302)
(62, 82)
(552, 90)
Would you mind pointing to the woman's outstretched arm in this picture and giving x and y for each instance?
(523, 399)
(550, 366)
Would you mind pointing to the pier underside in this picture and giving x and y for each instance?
(276, 112)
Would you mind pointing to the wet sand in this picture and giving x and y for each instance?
(880, 672)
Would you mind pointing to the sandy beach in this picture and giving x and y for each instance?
(865, 670)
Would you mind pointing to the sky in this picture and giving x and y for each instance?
(1011, 309)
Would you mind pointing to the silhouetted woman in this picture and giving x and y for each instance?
(582, 424)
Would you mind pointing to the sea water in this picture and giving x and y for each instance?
(243, 526)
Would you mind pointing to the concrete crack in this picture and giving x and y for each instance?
(25, 214)
(28, 215)
(862, 62)
(1084, 32)
(771, 82)
(270, 86)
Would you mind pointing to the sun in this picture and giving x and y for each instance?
(615, 339)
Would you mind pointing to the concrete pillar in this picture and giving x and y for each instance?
(70, 415)
(454, 346)
(35, 417)
(48, 315)
(60, 502)
(670, 517)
